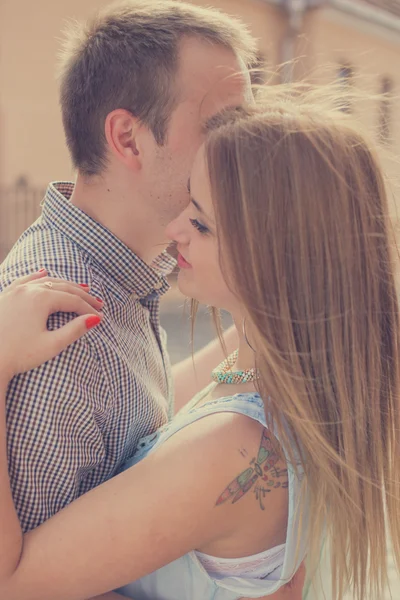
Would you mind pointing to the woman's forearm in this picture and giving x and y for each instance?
(11, 534)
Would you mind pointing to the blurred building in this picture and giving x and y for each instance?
(354, 41)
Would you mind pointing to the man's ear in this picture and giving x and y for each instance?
(120, 130)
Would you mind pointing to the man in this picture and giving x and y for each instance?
(137, 84)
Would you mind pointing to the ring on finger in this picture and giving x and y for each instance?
(48, 284)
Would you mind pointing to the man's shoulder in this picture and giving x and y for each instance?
(43, 246)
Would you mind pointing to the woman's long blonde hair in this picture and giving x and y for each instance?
(305, 244)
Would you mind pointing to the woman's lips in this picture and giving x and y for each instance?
(182, 262)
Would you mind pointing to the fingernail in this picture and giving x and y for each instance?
(92, 321)
(41, 270)
(84, 285)
(99, 300)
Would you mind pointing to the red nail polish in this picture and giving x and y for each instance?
(99, 300)
(41, 270)
(92, 321)
(84, 285)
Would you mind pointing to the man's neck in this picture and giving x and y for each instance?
(125, 214)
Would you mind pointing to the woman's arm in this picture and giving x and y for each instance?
(11, 535)
(25, 343)
(140, 520)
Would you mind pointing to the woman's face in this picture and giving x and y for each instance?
(195, 234)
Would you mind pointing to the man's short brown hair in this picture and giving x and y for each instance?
(127, 57)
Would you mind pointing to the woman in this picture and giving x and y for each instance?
(296, 439)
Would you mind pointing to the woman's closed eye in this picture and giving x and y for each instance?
(199, 226)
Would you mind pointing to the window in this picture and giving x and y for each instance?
(385, 107)
(344, 77)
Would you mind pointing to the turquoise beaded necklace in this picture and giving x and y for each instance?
(224, 374)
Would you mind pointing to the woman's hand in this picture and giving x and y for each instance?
(25, 306)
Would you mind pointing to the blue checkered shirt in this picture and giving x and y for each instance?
(72, 422)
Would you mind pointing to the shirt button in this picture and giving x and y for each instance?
(158, 285)
(135, 296)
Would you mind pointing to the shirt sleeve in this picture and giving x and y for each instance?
(56, 426)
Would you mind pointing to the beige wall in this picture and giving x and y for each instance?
(31, 136)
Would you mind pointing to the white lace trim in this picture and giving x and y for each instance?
(257, 566)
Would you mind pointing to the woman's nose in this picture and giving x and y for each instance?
(177, 231)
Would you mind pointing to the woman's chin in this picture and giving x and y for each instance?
(187, 289)
(184, 287)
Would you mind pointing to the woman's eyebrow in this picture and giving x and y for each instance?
(197, 205)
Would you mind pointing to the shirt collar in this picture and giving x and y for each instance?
(113, 256)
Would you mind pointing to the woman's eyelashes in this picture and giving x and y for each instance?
(200, 228)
